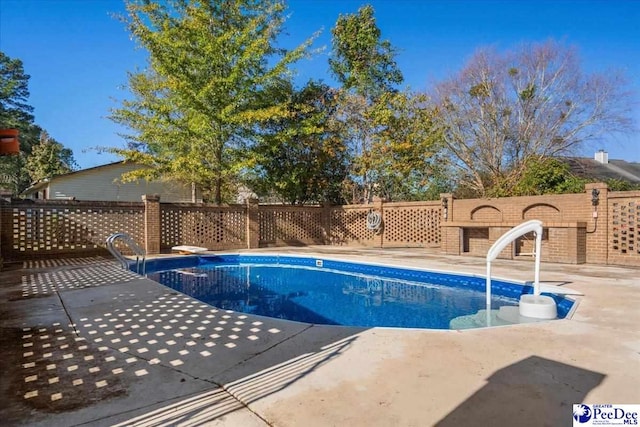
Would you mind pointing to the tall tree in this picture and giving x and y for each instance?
(48, 159)
(197, 105)
(302, 157)
(365, 66)
(15, 112)
(361, 61)
(404, 159)
(504, 110)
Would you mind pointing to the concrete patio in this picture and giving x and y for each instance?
(86, 343)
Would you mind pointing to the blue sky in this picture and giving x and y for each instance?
(78, 55)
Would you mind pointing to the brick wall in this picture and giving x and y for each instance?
(403, 224)
(65, 228)
(622, 245)
(411, 224)
(151, 224)
(210, 226)
(596, 227)
(290, 225)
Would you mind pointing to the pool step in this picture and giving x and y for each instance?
(507, 315)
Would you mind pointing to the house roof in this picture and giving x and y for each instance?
(613, 169)
(41, 184)
(35, 187)
(90, 169)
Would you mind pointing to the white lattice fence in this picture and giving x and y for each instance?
(291, 225)
(212, 227)
(74, 228)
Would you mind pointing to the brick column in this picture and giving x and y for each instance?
(378, 205)
(1, 219)
(326, 223)
(598, 224)
(151, 223)
(446, 200)
(6, 232)
(450, 237)
(451, 243)
(253, 224)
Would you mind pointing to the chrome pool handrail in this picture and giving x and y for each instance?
(141, 257)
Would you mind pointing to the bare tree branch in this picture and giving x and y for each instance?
(504, 109)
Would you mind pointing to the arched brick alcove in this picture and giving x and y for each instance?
(542, 211)
(486, 213)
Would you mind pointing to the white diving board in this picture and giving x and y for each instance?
(184, 249)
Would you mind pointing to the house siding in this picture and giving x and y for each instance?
(103, 184)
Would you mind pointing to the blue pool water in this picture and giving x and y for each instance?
(333, 292)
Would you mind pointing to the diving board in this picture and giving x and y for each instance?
(186, 250)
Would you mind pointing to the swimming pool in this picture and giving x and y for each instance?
(335, 292)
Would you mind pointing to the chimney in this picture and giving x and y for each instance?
(602, 157)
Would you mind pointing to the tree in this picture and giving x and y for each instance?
(16, 113)
(403, 159)
(199, 103)
(14, 92)
(620, 185)
(407, 149)
(365, 66)
(302, 156)
(361, 61)
(48, 159)
(547, 176)
(502, 110)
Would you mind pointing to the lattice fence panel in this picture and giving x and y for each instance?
(207, 226)
(412, 226)
(47, 229)
(349, 226)
(624, 235)
(299, 225)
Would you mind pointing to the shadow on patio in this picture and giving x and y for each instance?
(215, 404)
(532, 392)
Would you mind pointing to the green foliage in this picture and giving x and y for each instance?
(545, 176)
(198, 105)
(403, 159)
(16, 113)
(14, 92)
(528, 93)
(480, 90)
(360, 60)
(394, 147)
(620, 185)
(301, 156)
(48, 159)
(369, 110)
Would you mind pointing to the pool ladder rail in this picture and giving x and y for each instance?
(141, 256)
(531, 306)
